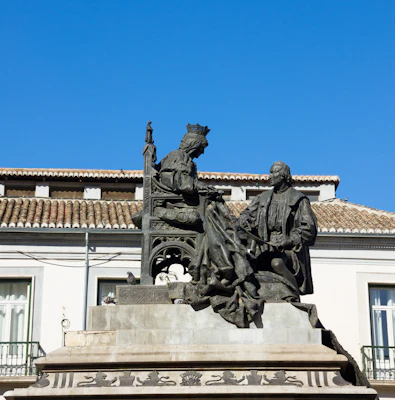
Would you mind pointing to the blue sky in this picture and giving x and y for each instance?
(308, 82)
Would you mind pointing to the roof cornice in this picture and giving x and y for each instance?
(138, 174)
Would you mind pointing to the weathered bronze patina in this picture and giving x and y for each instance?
(279, 227)
(235, 265)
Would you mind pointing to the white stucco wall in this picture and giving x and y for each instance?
(341, 291)
(42, 189)
(58, 275)
(342, 271)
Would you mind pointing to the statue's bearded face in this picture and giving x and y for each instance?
(276, 177)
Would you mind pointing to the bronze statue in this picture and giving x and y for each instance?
(177, 170)
(280, 226)
(235, 267)
(187, 222)
(221, 261)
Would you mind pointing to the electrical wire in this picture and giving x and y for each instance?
(41, 260)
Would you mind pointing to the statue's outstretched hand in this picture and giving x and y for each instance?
(212, 192)
(215, 194)
(287, 243)
(244, 222)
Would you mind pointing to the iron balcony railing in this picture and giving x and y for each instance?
(378, 362)
(17, 358)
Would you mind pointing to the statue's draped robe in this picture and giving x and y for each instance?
(221, 262)
(178, 172)
(288, 214)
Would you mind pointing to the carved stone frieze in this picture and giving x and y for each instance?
(154, 379)
(166, 378)
(191, 378)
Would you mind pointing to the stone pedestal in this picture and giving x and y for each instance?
(172, 351)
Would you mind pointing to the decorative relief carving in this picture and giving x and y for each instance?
(42, 382)
(339, 381)
(254, 378)
(317, 378)
(191, 378)
(61, 379)
(146, 194)
(98, 381)
(157, 203)
(157, 240)
(161, 225)
(130, 378)
(127, 379)
(280, 379)
(157, 187)
(154, 379)
(227, 378)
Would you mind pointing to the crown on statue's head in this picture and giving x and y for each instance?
(198, 129)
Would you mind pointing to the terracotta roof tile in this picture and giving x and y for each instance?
(76, 214)
(60, 215)
(338, 216)
(138, 174)
(8, 212)
(23, 215)
(46, 212)
(333, 216)
(38, 214)
(98, 216)
(70, 173)
(3, 208)
(112, 212)
(127, 214)
(83, 215)
(30, 214)
(15, 213)
(341, 216)
(121, 217)
(53, 214)
(264, 178)
(68, 214)
(105, 216)
(91, 215)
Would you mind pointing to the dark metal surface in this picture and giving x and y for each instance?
(234, 266)
(278, 227)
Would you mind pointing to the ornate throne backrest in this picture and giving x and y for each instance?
(161, 241)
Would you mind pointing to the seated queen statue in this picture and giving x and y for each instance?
(221, 273)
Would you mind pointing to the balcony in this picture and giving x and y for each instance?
(378, 363)
(17, 358)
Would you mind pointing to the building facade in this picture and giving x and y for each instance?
(67, 239)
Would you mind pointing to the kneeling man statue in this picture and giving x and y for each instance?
(278, 227)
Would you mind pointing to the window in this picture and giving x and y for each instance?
(67, 193)
(382, 303)
(251, 193)
(118, 194)
(107, 289)
(312, 196)
(14, 310)
(20, 191)
(382, 308)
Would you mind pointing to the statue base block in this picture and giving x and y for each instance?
(142, 294)
(171, 351)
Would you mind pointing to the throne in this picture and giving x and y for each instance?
(167, 242)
